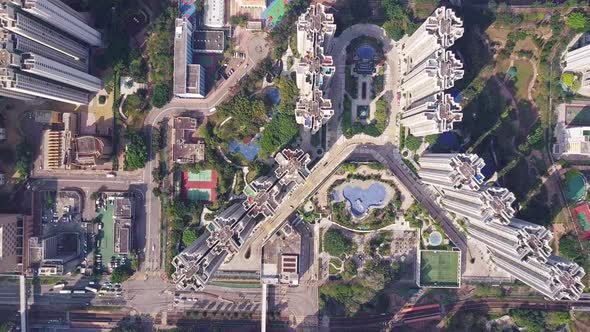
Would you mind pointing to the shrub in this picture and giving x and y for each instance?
(336, 244)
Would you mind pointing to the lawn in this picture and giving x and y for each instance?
(439, 268)
(523, 78)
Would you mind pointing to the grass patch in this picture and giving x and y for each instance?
(439, 268)
(523, 78)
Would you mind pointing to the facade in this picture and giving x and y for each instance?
(432, 115)
(452, 170)
(189, 78)
(214, 16)
(231, 228)
(428, 69)
(315, 29)
(488, 204)
(520, 248)
(45, 47)
(63, 17)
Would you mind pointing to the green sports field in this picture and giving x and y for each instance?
(196, 195)
(275, 11)
(202, 176)
(439, 268)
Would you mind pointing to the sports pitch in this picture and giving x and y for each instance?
(275, 11)
(439, 268)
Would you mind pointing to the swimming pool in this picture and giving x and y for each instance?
(361, 200)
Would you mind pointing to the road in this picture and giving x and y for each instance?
(256, 51)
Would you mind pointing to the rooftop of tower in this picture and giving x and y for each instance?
(467, 169)
(446, 25)
(498, 201)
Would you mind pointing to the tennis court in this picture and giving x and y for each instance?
(200, 186)
(439, 268)
(577, 115)
(274, 12)
(582, 213)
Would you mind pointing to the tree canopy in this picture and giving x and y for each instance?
(279, 131)
(399, 19)
(336, 244)
(121, 273)
(136, 154)
(161, 95)
(578, 21)
(189, 236)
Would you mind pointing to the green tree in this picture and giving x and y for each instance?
(189, 236)
(7, 326)
(413, 143)
(24, 158)
(133, 103)
(238, 20)
(121, 273)
(578, 21)
(336, 244)
(280, 131)
(138, 69)
(161, 95)
(569, 247)
(135, 150)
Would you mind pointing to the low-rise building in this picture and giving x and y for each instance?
(214, 13)
(13, 237)
(187, 146)
(91, 150)
(209, 41)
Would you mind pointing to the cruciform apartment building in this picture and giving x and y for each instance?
(518, 247)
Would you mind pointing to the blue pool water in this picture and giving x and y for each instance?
(435, 238)
(365, 52)
(273, 95)
(362, 199)
(248, 151)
